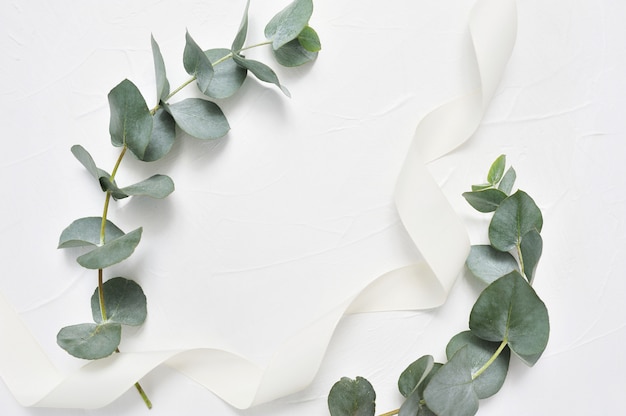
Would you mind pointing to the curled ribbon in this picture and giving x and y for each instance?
(428, 218)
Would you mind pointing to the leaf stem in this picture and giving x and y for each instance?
(103, 311)
(391, 413)
(491, 360)
(521, 260)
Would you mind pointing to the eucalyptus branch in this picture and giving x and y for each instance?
(149, 135)
(508, 316)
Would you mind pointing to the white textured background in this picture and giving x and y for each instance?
(294, 206)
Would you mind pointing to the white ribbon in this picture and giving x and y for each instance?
(427, 216)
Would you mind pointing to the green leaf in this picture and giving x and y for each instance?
(108, 185)
(352, 398)
(414, 374)
(261, 71)
(124, 301)
(479, 352)
(509, 309)
(481, 187)
(163, 136)
(293, 54)
(86, 232)
(131, 122)
(486, 200)
(162, 84)
(289, 22)
(156, 186)
(197, 64)
(228, 76)
(496, 170)
(199, 118)
(488, 264)
(531, 248)
(506, 184)
(86, 160)
(515, 216)
(310, 40)
(90, 341)
(242, 32)
(450, 392)
(112, 252)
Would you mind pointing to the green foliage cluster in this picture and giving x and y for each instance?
(508, 316)
(149, 135)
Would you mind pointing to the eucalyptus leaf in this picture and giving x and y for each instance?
(481, 187)
(110, 186)
(227, 77)
(124, 302)
(450, 392)
(163, 136)
(531, 248)
(508, 180)
(350, 397)
(289, 22)
(509, 309)
(515, 216)
(199, 118)
(162, 84)
(86, 160)
(309, 39)
(112, 252)
(293, 54)
(496, 170)
(90, 341)
(130, 122)
(196, 63)
(261, 71)
(486, 200)
(479, 352)
(86, 232)
(414, 374)
(488, 264)
(240, 38)
(156, 186)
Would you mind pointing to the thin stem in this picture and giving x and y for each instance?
(393, 412)
(143, 395)
(103, 310)
(491, 360)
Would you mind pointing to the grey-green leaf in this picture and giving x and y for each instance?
(156, 186)
(228, 76)
(509, 309)
(196, 63)
(86, 160)
(112, 252)
(508, 180)
(414, 374)
(531, 248)
(450, 392)
(486, 200)
(86, 232)
(514, 217)
(496, 170)
(479, 352)
(293, 54)
(350, 397)
(309, 39)
(163, 136)
(108, 185)
(289, 22)
(130, 122)
(240, 38)
(261, 71)
(124, 301)
(199, 118)
(488, 264)
(90, 341)
(162, 84)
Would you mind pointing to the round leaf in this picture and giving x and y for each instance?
(289, 22)
(514, 217)
(228, 76)
(293, 54)
(352, 398)
(509, 309)
(309, 39)
(488, 264)
(486, 200)
(130, 122)
(413, 375)
(496, 170)
(111, 252)
(124, 301)
(199, 118)
(86, 232)
(90, 341)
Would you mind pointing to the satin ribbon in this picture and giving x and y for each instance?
(430, 221)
